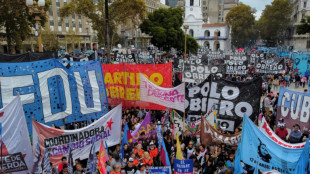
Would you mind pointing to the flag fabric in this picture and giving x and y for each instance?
(107, 148)
(46, 167)
(70, 158)
(37, 158)
(179, 152)
(145, 125)
(91, 158)
(160, 136)
(103, 157)
(302, 165)
(124, 141)
(215, 114)
(238, 166)
(164, 154)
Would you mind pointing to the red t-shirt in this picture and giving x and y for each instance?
(282, 133)
(60, 167)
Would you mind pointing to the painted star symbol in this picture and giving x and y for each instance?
(296, 70)
(110, 124)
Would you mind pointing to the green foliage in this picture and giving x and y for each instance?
(15, 18)
(50, 40)
(304, 27)
(242, 21)
(164, 25)
(275, 20)
(120, 12)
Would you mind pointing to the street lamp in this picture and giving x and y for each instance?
(185, 28)
(36, 8)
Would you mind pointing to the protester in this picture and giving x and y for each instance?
(282, 132)
(63, 162)
(295, 135)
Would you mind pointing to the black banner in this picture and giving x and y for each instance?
(198, 73)
(270, 66)
(232, 99)
(13, 163)
(236, 63)
(27, 57)
(124, 58)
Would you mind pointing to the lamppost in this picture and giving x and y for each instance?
(36, 8)
(185, 28)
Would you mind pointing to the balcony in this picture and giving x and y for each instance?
(212, 38)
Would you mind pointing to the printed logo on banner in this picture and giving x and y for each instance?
(198, 73)
(273, 65)
(159, 170)
(301, 63)
(294, 108)
(236, 64)
(54, 94)
(13, 163)
(124, 58)
(226, 125)
(232, 98)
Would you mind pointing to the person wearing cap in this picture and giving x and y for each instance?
(281, 122)
(146, 159)
(130, 168)
(141, 168)
(295, 135)
(282, 131)
(153, 151)
(135, 160)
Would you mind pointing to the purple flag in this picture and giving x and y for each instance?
(144, 127)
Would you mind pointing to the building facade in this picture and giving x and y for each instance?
(301, 9)
(215, 36)
(215, 11)
(171, 3)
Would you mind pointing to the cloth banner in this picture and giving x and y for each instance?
(301, 63)
(168, 97)
(232, 99)
(265, 128)
(210, 136)
(294, 108)
(107, 128)
(236, 63)
(146, 56)
(260, 151)
(183, 166)
(27, 57)
(161, 170)
(178, 124)
(53, 94)
(270, 66)
(144, 127)
(123, 83)
(124, 58)
(198, 73)
(15, 141)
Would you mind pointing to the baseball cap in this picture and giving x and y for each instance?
(130, 160)
(141, 164)
(152, 143)
(281, 119)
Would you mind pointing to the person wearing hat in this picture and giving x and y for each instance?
(281, 122)
(295, 134)
(141, 168)
(153, 151)
(130, 168)
(282, 131)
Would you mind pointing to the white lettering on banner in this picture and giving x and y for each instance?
(47, 111)
(225, 107)
(8, 84)
(95, 93)
(299, 106)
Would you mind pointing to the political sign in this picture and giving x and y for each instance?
(270, 66)
(15, 143)
(145, 127)
(53, 94)
(301, 63)
(294, 108)
(198, 73)
(258, 150)
(124, 58)
(57, 141)
(236, 63)
(179, 125)
(233, 99)
(168, 97)
(159, 170)
(183, 166)
(122, 82)
(146, 56)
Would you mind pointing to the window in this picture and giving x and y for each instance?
(52, 28)
(87, 31)
(59, 28)
(51, 11)
(80, 30)
(191, 32)
(58, 13)
(305, 4)
(58, 4)
(303, 15)
(80, 16)
(204, 2)
(73, 15)
(51, 22)
(191, 3)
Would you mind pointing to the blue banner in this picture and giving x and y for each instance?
(183, 166)
(301, 63)
(294, 108)
(159, 170)
(259, 151)
(55, 91)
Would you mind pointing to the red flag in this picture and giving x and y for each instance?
(103, 157)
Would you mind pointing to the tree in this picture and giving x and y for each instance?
(17, 22)
(72, 38)
(275, 20)
(120, 12)
(304, 27)
(242, 21)
(164, 25)
(50, 40)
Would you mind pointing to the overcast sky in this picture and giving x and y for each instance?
(259, 5)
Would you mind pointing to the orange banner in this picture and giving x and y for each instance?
(123, 82)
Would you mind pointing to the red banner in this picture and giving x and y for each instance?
(123, 82)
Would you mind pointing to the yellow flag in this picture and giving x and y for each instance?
(179, 155)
